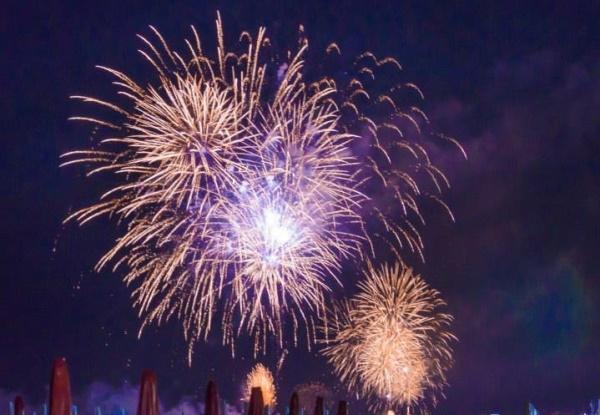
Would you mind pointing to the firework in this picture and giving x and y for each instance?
(225, 196)
(309, 392)
(390, 343)
(261, 377)
(242, 187)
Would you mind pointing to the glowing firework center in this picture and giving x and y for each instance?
(276, 234)
(266, 233)
(268, 236)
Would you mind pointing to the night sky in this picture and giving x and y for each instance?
(517, 82)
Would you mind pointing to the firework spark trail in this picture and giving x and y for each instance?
(261, 377)
(400, 174)
(243, 202)
(390, 343)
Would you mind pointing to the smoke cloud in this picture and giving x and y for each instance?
(101, 398)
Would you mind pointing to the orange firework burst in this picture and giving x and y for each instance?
(390, 343)
(261, 377)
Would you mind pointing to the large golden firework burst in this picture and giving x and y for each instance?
(240, 185)
(390, 343)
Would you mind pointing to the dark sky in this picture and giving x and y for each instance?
(518, 82)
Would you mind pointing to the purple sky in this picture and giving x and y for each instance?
(518, 83)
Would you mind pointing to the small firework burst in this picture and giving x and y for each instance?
(261, 377)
